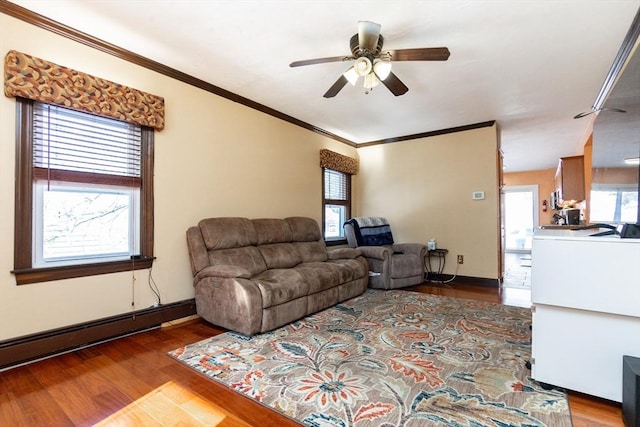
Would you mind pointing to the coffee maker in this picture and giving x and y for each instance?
(571, 216)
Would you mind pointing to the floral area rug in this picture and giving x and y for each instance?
(390, 358)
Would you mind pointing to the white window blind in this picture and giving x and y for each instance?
(335, 185)
(67, 140)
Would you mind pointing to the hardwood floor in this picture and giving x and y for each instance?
(131, 381)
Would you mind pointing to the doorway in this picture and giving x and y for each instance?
(520, 217)
(519, 220)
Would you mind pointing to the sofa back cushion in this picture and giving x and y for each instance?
(280, 255)
(248, 257)
(312, 251)
(271, 230)
(303, 229)
(307, 238)
(224, 233)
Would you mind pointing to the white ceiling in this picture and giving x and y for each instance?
(529, 65)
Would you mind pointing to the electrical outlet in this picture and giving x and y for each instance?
(460, 259)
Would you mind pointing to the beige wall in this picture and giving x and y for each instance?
(215, 158)
(544, 179)
(424, 187)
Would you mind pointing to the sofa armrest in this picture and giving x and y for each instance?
(410, 248)
(234, 304)
(376, 252)
(224, 271)
(198, 254)
(343, 253)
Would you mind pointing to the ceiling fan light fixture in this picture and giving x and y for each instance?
(371, 81)
(351, 75)
(363, 66)
(382, 68)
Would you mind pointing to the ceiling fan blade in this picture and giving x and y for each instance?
(336, 87)
(599, 110)
(419, 54)
(368, 33)
(393, 83)
(321, 60)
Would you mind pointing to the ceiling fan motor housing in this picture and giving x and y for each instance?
(357, 52)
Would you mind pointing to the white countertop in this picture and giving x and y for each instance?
(586, 235)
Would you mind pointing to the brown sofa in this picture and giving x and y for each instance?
(254, 275)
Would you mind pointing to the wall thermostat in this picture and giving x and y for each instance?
(478, 195)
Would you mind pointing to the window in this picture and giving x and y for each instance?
(336, 203)
(84, 194)
(614, 203)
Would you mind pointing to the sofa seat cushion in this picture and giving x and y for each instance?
(247, 257)
(280, 285)
(406, 265)
(319, 275)
(280, 255)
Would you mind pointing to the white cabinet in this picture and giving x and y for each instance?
(586, 300)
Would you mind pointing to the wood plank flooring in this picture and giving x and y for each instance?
(132, 382)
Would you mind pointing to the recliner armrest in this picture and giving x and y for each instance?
(410, 248)
(223, 271)
(377, 252)
(343, 253)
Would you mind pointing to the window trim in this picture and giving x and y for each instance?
(347, 203)
(23, 222)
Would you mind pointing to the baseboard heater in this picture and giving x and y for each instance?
(481, 281)
(31, 347)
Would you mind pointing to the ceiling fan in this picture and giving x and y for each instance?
(374, 64)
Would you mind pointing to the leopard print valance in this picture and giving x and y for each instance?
(34, 78)
(338, 162)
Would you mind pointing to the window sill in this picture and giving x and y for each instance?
(37, 275)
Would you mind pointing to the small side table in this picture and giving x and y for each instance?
(431, 274)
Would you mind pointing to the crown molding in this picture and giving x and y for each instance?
(55, 27)
(429, 134)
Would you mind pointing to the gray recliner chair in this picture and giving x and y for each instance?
(391, 265)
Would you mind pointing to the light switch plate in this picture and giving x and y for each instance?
(478, 195)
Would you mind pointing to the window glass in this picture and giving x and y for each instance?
(614, 204)
(78, 223)
(334, 217)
